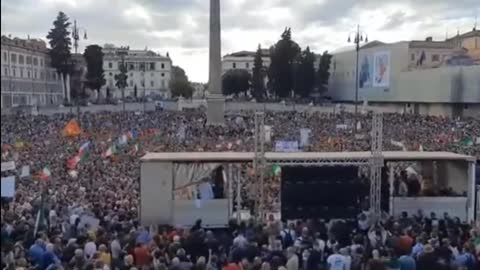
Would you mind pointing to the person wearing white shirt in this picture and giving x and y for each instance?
(206, 191)
(348, 260)
(90, 249)
(292, 263)
(336, 261)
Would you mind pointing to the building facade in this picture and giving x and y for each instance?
(410, 77)
(244, 60)
(148, 72)
(27, 77)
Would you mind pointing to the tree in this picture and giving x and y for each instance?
(258, 82)
(179, 84)
(281, 71)
(305, 74)
(180, 87)
(323, 73)
(121, 78)
(60, 43)
(236, 81)
(95, 74)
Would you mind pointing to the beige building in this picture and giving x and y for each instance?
(244, 60)
(425, 77)
(148, 71)
(26, 75)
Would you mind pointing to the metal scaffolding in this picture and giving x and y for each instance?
(376, 164)
(259, 165)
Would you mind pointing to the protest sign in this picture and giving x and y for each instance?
(305, 137)
(8, 187)
(8, 166)
(286, 146)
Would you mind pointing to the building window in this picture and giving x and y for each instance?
(412, 57)
(142, 66)
(142, 83)
(29, 60)
(163, 65)
(131, 83)
(163, 83)
(152, 74)
(234, 65)
(35, 74)
(35, 61)
(435, 58)
(21, 73)
(131, 66)
(21, 59)
(152, 84)
(163, 74)
(152, 66)
(5, 57)
(247, 65)
(13, 58)
(110, 65)
(28, 74)
(14, 73)
(6, 71)
(131, 74)
(41, 62)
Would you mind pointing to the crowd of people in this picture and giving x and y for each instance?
(105, 185)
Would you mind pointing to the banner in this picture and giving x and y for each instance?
(381, 69)
(286, 146)
(305, 137)
(25, 172)
(477, 141)
(342, 126)
(268, 134)
(8, 166)
(366, 72)
(8, 187)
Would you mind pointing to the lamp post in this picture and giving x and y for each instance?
(358, 38)
(76, 38)
(122, 52)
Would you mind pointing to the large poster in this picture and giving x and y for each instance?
(366, 72)
(381, 69)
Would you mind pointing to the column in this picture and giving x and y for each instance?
(215, 101)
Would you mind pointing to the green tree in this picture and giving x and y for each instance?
(236, 81)
(281, 71)
(95, 74)
(258, 76)
(60, 44)
(180, 87)
(323, 73)
(305, 74)
(121, 78)
(179, 84)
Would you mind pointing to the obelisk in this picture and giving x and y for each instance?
(215, 99)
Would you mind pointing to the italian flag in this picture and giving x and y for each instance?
(110, 152)
(45, 174)
(81, 156)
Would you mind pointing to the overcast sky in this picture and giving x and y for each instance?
(181, 26)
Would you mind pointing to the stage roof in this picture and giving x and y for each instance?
(298, 156)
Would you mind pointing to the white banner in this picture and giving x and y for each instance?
(8, 166)
(8, 187)
(286, 146)
(342, 126)
(25, 171)
(477, 141)
(305, 137)
(268, 134)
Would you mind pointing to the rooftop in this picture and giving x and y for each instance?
(265, 53)
(32, 44)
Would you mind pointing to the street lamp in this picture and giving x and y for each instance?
(76, 36)
(358, 38)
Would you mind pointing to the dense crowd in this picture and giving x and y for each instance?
(107, 187)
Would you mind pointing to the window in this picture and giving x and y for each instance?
(152, 66)
(152, 74)
(142, 83)
(35, 74)
(110, 65)
(131, 83)
(5, 57)
(29, 60)
(13, 72)
(35, 61)
(142, 66)
(412, 57)
(163, 65)
(110, 82)
(6, 71)
(163, 74)
(152, 84)
(131, 66)
(131, 74)
(21, 59)
(13, 58)
(247, 65)
(435, 58)
(28, 74)
(21, 73)
(234, 65)
(163, 83)
(41, 62)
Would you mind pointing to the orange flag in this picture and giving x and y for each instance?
(72, 129)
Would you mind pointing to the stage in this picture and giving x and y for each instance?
(163, 174)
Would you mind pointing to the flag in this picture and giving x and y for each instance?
(398, 144)
(81, 156)
(123, 140)
(72, 129)
(45, 174)
(467, 142)
(110, 151)
(277, 170)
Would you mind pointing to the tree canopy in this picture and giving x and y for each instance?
(305, 74)
(258, 76)
(236, 81)
(95, 74)
(284, 55)
(323, 73)
(179, 84)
